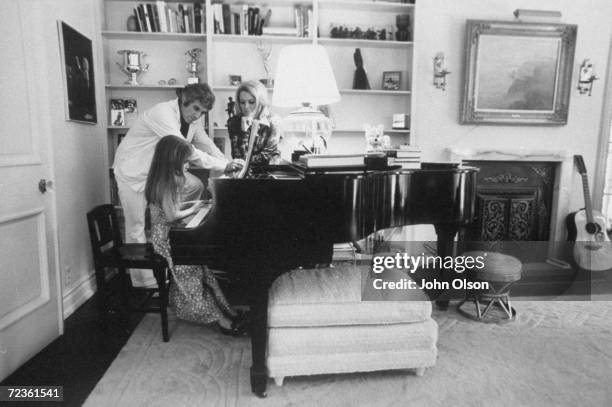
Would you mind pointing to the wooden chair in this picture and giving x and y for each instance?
(109, 252)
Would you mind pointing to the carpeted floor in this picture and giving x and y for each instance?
(554, 354)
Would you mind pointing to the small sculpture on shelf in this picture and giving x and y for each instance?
(194, 66)
(371, 33)
(230, 108)
(360, 80)
(402, 21)
(266, 51)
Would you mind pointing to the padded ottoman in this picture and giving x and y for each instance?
(317, 324)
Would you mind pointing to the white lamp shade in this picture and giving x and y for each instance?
(304, 76)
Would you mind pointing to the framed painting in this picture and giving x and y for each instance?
(518, 73)
(78, 74)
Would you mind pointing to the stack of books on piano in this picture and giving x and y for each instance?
(331, 160)
(408, 156)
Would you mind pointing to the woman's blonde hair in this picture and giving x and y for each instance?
(166, 177)
(259, 92)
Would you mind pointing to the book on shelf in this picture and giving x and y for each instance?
(160, 14)
(146, 17)
(331, 160)
(227, 19)
(280, 31)
(153, 12)
(304, 21)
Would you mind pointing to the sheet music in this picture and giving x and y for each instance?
(198, 218)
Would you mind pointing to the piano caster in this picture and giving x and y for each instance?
(259, 383)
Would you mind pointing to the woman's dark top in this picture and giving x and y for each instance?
(265, 147)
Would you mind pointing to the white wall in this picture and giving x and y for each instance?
(81, 172)
(440, 27)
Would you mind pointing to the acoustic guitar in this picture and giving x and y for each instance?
(587, 227)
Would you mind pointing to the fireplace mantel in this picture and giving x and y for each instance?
(563, 179)
(457, 154)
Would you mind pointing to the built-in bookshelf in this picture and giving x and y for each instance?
(230, 51)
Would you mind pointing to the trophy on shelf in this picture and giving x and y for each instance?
(132, 65)
(194, 66)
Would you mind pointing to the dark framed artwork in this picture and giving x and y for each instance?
(518, 73)
(78, 73)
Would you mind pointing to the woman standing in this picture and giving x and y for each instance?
(252, 104)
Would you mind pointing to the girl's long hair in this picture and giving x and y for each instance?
(166, 177)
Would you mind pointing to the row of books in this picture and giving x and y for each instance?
(241, 19)
(246, 19)
(175, 18)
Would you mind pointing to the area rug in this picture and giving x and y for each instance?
(553, 354)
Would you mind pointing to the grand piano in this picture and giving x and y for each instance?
(289, 217)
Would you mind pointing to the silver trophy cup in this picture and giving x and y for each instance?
(132, 65)
(194, 66)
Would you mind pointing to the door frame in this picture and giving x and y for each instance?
(41, 160)
(599, 179)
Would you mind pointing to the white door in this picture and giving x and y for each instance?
(30, 305)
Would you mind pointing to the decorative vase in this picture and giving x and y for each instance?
(132, 23)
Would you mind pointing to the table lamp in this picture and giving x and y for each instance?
(304, 79)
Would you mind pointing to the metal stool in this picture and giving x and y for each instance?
(501, 271)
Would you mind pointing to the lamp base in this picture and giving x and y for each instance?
(307, 129)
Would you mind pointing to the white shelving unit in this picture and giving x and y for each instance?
(231, 54)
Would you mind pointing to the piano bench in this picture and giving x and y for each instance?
(500, 271)
(317, 324)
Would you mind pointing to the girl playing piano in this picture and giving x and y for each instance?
(195, 294)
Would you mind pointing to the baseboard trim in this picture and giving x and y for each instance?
(83, 290)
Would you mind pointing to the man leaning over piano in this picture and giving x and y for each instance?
(181, 117)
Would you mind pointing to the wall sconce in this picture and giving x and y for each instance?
(586, 77)
(440, 71)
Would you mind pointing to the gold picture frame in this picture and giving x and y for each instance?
(517, 72)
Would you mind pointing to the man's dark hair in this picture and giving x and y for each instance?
(200, 92)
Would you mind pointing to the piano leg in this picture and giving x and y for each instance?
(446, 235)
(259, 331)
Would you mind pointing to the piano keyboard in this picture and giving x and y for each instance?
(198, 218)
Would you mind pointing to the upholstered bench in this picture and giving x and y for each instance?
(317, 324)
(500, 271)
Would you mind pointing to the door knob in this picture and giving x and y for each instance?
(44, 185)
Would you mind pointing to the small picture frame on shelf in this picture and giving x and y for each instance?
(235, 80)
(131, 110)
(117, 112)
(391, 80)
